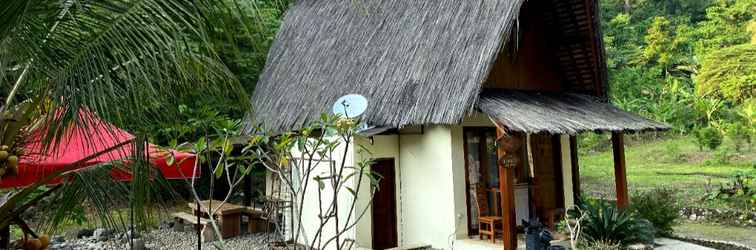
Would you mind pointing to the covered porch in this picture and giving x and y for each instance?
(536, 156)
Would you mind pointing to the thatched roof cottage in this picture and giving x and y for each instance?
(446, 79)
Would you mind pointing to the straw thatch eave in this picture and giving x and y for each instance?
(559, 113)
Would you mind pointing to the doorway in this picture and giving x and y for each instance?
(483, 194)
(384, 206)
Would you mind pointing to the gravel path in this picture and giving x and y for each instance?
(164, 240)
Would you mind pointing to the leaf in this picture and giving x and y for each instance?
(218, 171)
(201, 145)
(228, 148)
(321, 184)
(170, 159)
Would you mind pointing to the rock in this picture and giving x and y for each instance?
(128, 235)
(168, 224)
(138, 244)
(208, 235)
(639, 247)
(84, 233)
(58, 239)
(102, 234)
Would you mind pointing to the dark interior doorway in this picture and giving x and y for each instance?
(384, 206)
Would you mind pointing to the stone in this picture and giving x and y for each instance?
(208, 234)
(102, 234)
(138, 244)
(168, 224)
(58, 239)
(639, 247)
(129, 235)
(84, 233)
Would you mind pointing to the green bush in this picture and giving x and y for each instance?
(739, 134)
(659, 207)
(708, 137)
(673, 154)
(723, 155)
(739, 192)
(594, 142)
(604, 222)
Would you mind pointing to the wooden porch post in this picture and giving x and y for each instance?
(575, 168)
(506, 186)
(620, 174)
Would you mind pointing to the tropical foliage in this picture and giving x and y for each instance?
(687, 62)
(659, 207)
(132, 63)
(604, 222)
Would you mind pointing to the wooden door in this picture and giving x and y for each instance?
(548, 191)
(384, 206)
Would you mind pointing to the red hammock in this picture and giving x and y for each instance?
(79, 143)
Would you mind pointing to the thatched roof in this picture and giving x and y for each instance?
(417, 62)
(559, 113)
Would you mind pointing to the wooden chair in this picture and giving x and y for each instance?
(487, 224)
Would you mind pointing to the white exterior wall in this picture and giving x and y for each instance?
(382, 146)
(430, 171)
(310, 219)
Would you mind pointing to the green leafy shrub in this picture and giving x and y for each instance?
(708, 137)
(737, 192)
(723, 155)
(739, 134)
(673, 153)
(728, 73)
(594, 142)
(604, 222)
(658, 206)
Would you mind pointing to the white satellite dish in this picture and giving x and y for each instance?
(350, 106)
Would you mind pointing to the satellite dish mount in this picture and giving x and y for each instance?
(350, 106)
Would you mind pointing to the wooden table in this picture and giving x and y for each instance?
(228, 215)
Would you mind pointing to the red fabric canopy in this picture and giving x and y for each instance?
(82, 142)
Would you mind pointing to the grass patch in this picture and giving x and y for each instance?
(742, 235)
(674, 162)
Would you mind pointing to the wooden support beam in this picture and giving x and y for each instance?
(504, 153)
(620, 173)
(575, 169)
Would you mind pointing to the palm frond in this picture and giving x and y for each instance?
(115, 204)
(126, 60)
